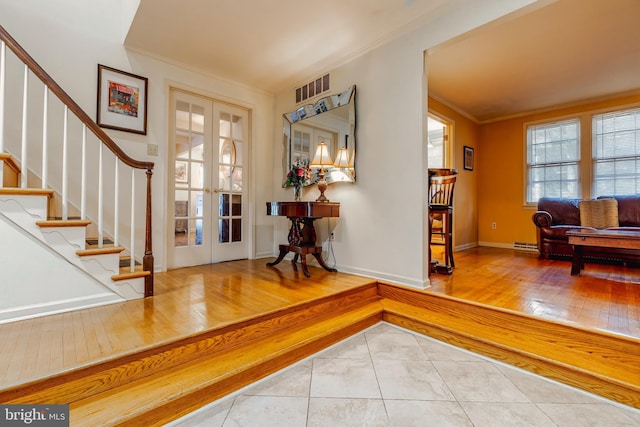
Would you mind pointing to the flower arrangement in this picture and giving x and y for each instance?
(299, 174)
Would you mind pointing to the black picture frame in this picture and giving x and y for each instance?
(468, 158)
(122, 100)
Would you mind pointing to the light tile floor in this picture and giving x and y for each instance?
(387, 376)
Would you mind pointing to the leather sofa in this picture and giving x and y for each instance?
(556, 216)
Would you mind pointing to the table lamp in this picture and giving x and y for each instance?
(321, 159)
(342, 158)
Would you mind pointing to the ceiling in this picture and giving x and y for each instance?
(564, 52)
(272, 44)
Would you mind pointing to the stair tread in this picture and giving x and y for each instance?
(129, 275)
(63, 223)
(100, 251)
(25, 192)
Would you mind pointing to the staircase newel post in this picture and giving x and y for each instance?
(147, 260)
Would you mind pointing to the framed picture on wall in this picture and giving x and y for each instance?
(181, 172)
(468, 158)
(122, 100)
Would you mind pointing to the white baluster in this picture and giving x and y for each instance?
(132, 261)
(23, 164)
(83, 190)
(65, 172)
(3, 56)
(116, 207)
(100, 214)
(45, 127)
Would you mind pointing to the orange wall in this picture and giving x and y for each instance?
(500, 160)
(465, 203)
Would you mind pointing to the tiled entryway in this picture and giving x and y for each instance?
(387, 376)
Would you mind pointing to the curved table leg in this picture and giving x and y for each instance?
(281, 255)
(300, 253)
(323, 264)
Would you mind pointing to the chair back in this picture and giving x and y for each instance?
(441, 190)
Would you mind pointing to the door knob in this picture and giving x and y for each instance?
(207, 190)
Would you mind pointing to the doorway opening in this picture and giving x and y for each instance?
(440, 156)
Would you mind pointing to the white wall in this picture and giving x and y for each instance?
(49, 284)
(68, 38)
(381, 232)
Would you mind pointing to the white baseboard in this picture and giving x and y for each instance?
(385, 277)
(30, 311)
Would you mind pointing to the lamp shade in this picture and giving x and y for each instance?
(322, 157)
(342, 159)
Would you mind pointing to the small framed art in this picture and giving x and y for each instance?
(122, 100)
(468, 158)
(181, 172)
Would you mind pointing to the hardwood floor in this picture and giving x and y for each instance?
(604, 297)
(187, 301)
(193, 299)
(207, 306)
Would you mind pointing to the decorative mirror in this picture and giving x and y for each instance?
(332, 121)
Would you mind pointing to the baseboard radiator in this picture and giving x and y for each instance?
(525, 246)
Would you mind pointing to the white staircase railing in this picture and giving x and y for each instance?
(68, 159)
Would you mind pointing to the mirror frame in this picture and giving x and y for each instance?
(347, 98)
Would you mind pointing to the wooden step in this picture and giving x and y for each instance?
(598, 362)
(99, 251)
(130, 275)
(161, 398)
(156, 385)
(26, 192)
(174, 378)
(63, 223)
(125, 260)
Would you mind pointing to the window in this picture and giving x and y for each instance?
(616, 153)
(553, 155)
(437, 143)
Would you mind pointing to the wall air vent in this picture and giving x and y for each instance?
(311, 89)
(525, 246)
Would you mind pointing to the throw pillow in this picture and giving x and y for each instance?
(601, 213)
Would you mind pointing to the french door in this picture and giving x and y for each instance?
(207, 184)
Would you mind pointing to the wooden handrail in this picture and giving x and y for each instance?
(48, 81)
(69, 102)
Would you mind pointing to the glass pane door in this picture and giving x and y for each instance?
(231, 194)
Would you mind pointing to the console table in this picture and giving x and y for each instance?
(302, 234)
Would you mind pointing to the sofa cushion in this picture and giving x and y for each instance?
(629, 210)
(601, 213)
(562, 211)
